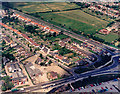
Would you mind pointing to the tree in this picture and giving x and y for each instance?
(49, 62)
(6, 79)
(3, 42)
(3, 88)
(42, 64)
(30, 49)
(41, 56)
(7, 85)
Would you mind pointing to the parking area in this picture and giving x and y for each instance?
(110, 86)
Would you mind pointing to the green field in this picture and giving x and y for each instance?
(76, 20)
(108, 38)
(32, 7)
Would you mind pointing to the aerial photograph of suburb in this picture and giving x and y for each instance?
(60, 46)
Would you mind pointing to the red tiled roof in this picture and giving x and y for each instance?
(47, 28)
(17, 15)
(26, 37)
(29, 20)
(59, 57)
(54, 31)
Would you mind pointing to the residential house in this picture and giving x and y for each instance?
(7, 40)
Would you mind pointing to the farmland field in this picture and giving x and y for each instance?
(32, 7)
(75, 19)
(108, 38)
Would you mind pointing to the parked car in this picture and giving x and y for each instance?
(102, 88)
(94, 84)
(93, 90)
(106, 87)
(79, 88)
(115, 80)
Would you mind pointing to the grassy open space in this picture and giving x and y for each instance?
(76, 20)
(32, 7)
(108, 38)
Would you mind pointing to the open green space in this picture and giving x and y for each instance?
(75, 20)
(33, 7)
(108, 38)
